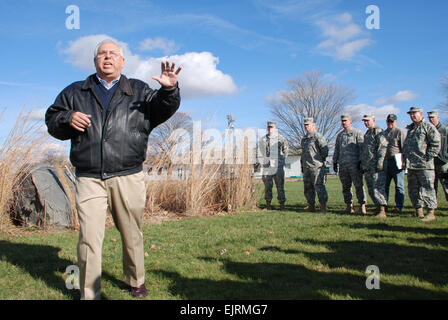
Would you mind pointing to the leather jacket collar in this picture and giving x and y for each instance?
(123, 84)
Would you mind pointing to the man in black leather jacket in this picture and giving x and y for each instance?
(108, 118)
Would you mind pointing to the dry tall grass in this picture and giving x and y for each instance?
(19, 151)
(60, 168)
(209, 188)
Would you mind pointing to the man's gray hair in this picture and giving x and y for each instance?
(95, 53)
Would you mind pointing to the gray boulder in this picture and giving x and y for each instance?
(43, 200)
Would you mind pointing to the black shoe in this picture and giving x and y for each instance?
(139, 292)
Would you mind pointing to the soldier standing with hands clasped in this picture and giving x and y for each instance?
(347, 158)
(373, 163)
(441, 162)
(314, 153)
(273, 150)
(421, 146)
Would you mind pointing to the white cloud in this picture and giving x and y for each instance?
(38, 115)
(400, 96)
(54, 149)
(199, 76)
(331, 77)
(307, 10)
(14, 84)
(359, 110)
(343, 38)
(167, 46)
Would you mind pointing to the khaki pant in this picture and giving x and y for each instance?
(125, 198)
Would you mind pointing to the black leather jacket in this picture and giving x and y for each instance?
(115, 144)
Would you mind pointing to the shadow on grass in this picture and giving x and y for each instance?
(433, 241)
(277, 249)
(283, 281)
(42, 262)
(386, 227)
(392, 259)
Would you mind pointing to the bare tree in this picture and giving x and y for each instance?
(161, 142)
(309, 96)
(445, 90)
(54, 157)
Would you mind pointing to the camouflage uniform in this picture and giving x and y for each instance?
(372, 162)
(314, 151)
(421, 146)
(273, 151)
(441, 162)
(347, 155)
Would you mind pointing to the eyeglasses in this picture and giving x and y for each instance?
(103, 53)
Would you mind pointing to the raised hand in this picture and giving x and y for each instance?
(168, 78)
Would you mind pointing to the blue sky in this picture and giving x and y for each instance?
(235, 54)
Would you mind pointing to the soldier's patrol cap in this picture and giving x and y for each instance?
(369, 116)
(308, 121)
(272, 124)
(415, 109)
(345, 116)
(391, 117)
(433, 113)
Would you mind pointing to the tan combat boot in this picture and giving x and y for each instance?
(310, 208)
(323, 208)
(430, 216)
(419, 213)
(362, 209)
(268, 205)
(382, 213)
(350, 209)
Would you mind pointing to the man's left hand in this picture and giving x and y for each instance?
(168, 78)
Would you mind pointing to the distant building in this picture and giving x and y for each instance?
(293, 167)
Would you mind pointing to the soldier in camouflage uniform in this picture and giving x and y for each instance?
(347, 158)
(273, 150)
(372, 163)
(314, 151)
(441, 162)
(421, 146)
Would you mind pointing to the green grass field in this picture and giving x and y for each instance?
(255, 255)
